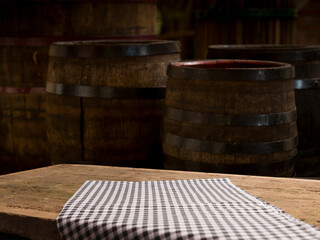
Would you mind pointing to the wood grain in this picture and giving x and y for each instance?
(31, 200)
(30, 28)
(22, 115)
(108, 131)
(306, 62)
(243, 29)
(230, 97)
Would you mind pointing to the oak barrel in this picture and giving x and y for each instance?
(244, 22)
(105, 100)
(27, 28)
(47, 18)
(306, 60)
(231, 116)
(22, 108)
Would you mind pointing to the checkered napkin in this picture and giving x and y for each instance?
(183, 209)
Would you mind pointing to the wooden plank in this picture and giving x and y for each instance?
(30, 201)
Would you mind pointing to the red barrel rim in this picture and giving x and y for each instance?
(229, 64)
(231, 69)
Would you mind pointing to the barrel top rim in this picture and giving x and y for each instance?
(189, 64)
(273, 52)
(113, 48)
(191, 70)
(263, 47)
(108, 42)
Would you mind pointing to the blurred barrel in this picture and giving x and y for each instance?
(231, 116)
(23, 72)
(47, 18)
(306, 60)
(105, 100)
(244, 22)
(27, 28)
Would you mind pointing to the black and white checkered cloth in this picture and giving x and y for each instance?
(180, 209)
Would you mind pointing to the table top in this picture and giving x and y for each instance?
(31, 200)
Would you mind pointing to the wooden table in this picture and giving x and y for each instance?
(30, 201)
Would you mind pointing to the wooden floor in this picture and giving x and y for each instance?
(30, 201)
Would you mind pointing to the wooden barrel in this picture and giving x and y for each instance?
(47, 18)
(244, 22)
(105, 100)
(306, 60)
(27, 28)
(231, 116)
(23, 72)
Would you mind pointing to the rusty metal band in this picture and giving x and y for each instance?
(23, 90)
(283, 71)
(307, 83)
(229, 148)
(113, 48)
(265, 169)
(46, 41)
(230, 120)
(105, 92)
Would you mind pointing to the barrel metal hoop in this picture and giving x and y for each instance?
(235, 74)
(105, 92)
(46, 41)
(113, 48)
(230, 120)
(265, 169)
(310, 83)
(229, 148)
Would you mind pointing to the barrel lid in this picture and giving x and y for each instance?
(234, 70)
(113, 48)
(272, 52)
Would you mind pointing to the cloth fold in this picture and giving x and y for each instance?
(175, 209)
